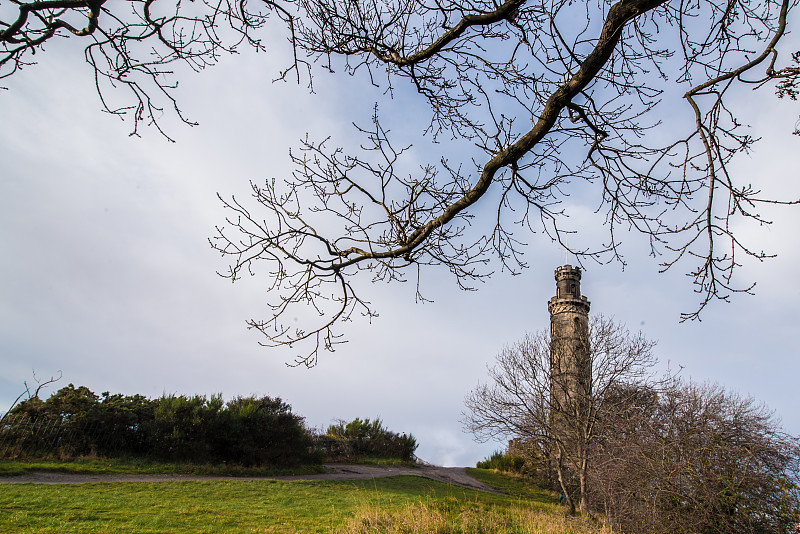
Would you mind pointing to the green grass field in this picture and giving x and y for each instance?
(407, 504)
(130, 466)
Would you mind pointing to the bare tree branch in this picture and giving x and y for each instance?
(133, 45)
(544, 108)
(542, 102)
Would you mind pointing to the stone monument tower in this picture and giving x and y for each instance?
(570, 362)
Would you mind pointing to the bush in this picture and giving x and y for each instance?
(365, 438)
(696, 458)
(75, 421)
(183, 428)
(258, 431)
(503, 462)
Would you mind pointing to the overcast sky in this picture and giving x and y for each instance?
(106, 273)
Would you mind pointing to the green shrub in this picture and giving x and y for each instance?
(75, 422)
(503, 462)
(364, 438)
(264, 431)
(181, 427)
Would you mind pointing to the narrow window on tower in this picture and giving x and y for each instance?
(572, 290)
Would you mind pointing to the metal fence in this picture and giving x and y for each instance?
(24, 436)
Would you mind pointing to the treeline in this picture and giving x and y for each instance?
(249, 431)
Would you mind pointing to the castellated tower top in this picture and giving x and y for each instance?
(568, 291)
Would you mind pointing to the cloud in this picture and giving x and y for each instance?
(106, 272)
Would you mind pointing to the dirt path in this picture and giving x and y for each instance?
(451, 475)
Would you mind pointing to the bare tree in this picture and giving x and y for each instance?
(517, 401)
(541, 99)
(696, 458)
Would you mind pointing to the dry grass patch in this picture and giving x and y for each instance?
(458, 517)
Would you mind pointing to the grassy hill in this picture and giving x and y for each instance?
(407, 504)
